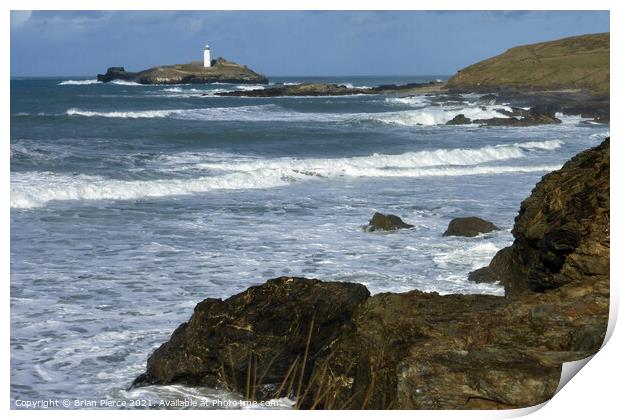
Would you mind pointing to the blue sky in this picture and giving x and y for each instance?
(296, 43)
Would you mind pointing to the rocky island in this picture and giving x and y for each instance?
(220, 71)
(333, 345)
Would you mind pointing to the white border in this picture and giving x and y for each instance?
(592, 395)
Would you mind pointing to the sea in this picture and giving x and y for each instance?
(130, 204)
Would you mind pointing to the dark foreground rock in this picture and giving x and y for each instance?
(388, 222)
(255, 337)
(562, 230)
(469, 226)
(330, 345)
(221, 71)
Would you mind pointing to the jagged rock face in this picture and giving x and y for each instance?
(255, 336)
(425, 351)
(469, 226)
(388, 222)
(562, 230)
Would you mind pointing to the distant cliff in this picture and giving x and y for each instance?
(580, 62)
(221, 70)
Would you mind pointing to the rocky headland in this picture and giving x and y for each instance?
(569, 75)
(333, 345)
(579, 63)
(221, 71)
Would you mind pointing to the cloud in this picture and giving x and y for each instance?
(19, 18)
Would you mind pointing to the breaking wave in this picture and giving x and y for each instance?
(270, 112)
(35, 189)
(79, 82)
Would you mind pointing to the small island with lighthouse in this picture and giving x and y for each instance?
(196, 72)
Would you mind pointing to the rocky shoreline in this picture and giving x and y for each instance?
(221, 71)
(331, 89)
(332, 345)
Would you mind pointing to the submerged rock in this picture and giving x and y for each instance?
(469, 226)
(388, 222)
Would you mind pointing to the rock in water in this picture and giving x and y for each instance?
(562, 230)
(386, 222)
(420, 350)
(469, 226)
(257, 335)
(221, 71)
(459, 120)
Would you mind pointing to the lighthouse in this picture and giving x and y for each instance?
(207, 56)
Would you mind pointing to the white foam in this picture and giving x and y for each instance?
(352, 86)
(434, 115)
(414, 101)
(241, 113)
(569, 119)
(34, 189)
(270, 112)
(249, 87)
(79, 82)
(472, 257)
(121, 114)
(380, 165)
(125, 83)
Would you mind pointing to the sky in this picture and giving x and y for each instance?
(294, 43)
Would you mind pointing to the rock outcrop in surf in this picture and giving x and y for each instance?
(221, 71)
(469, 226)
(331, 345)
(332, 89)
(384, 222)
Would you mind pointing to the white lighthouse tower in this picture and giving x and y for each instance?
(207, 56)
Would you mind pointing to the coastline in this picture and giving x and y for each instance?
(352, 350)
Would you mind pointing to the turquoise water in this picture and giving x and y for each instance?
(130, 204)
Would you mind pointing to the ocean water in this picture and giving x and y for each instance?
(130, 204)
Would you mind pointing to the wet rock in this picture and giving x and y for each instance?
(528, 120)
(562, 230)
(386, 222)
(330, 345)
(469, 226)
(252, 339)
(331, 89)
(488, 99)
(459, 120)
